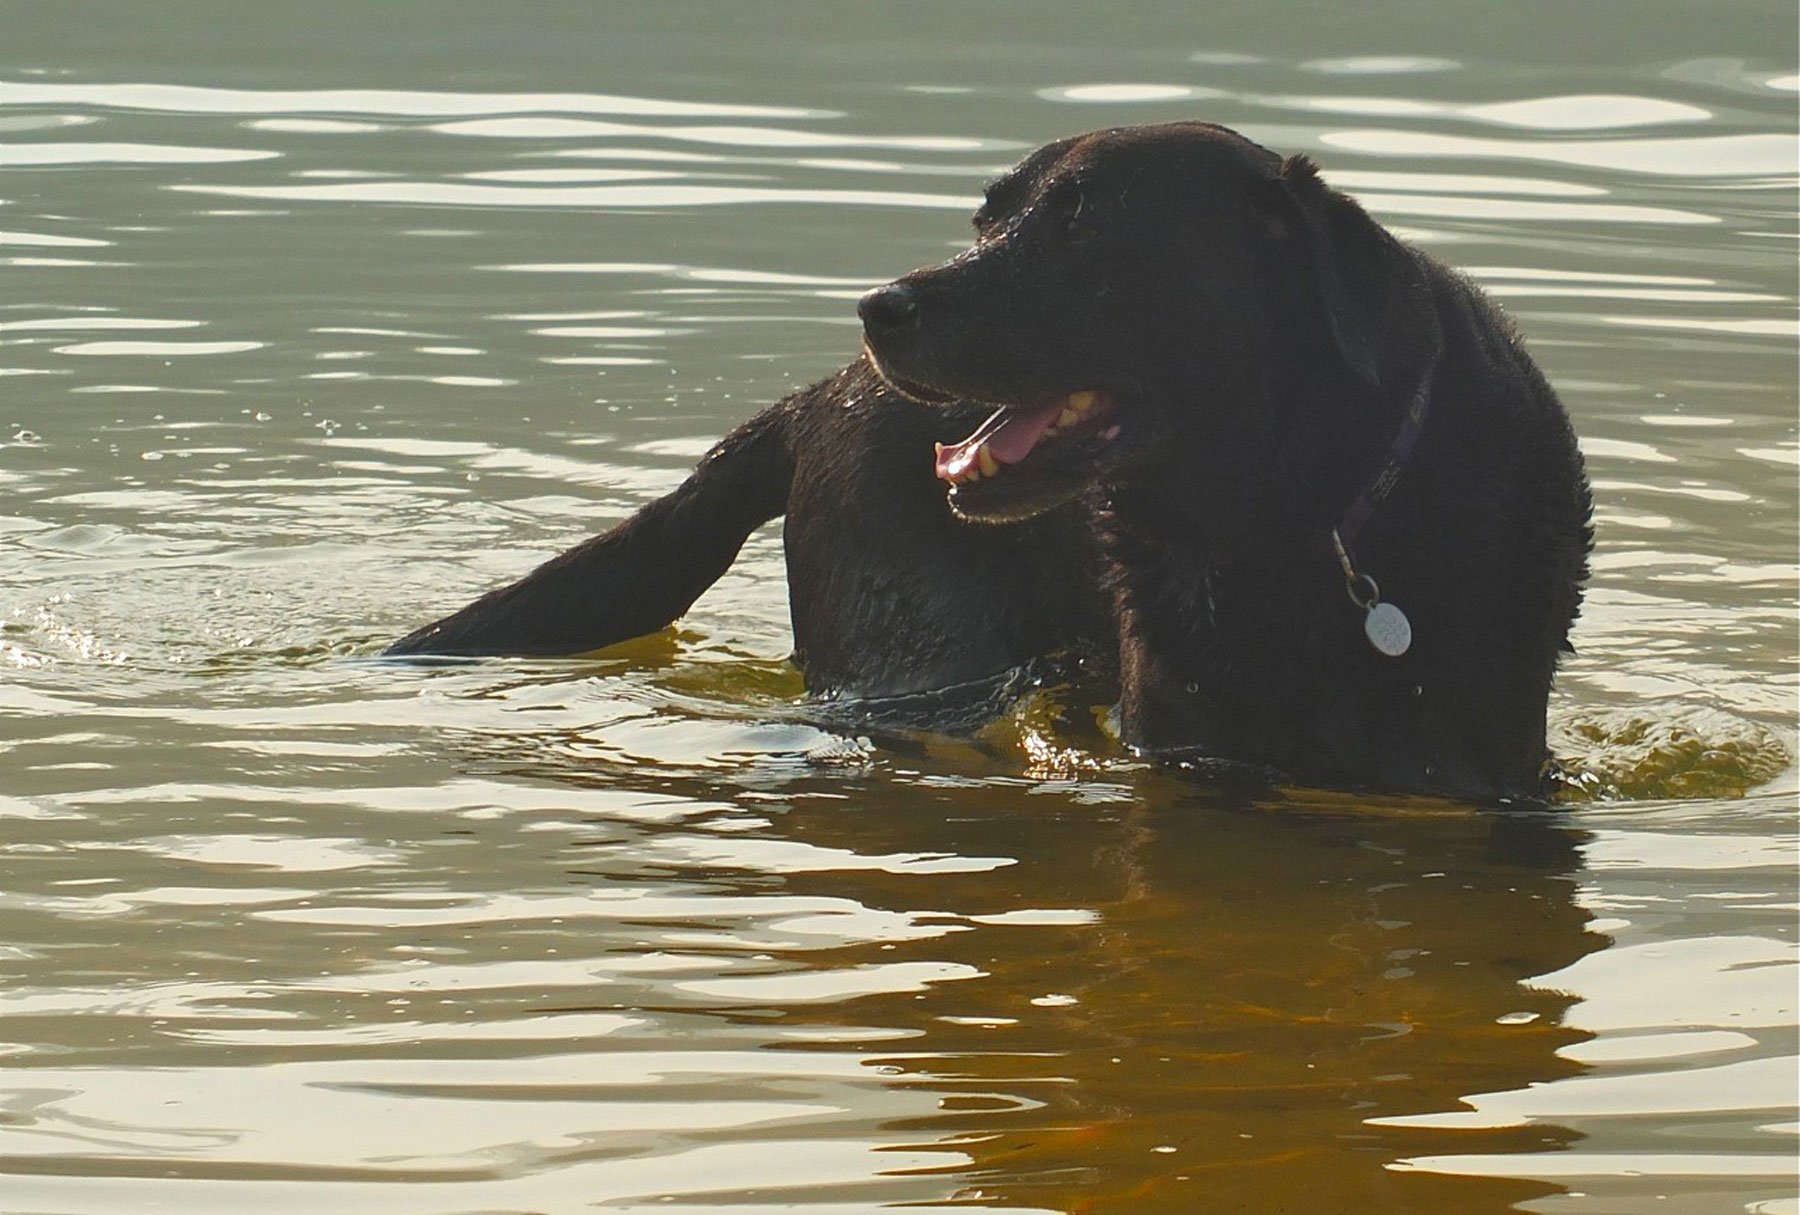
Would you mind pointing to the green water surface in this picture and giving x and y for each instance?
(316, 320)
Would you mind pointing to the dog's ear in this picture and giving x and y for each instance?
(1349, 258)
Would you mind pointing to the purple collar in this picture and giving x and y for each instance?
(1363, 590)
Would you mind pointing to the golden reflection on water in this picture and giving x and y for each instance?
(1132, 991)
(1260, 981)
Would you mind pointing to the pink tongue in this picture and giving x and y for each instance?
(1009, 434)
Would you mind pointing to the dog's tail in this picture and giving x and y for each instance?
(644, 573)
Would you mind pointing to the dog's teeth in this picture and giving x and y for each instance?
(1068, 416)
(1110, 433)
(960, 466)
(989, 465)
(1080, 402)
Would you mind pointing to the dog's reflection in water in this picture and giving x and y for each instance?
(1254, 981)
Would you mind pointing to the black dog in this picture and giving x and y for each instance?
(1344, 517)
(891, 594)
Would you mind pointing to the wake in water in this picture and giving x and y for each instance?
(1663, 751)
(1654, 752)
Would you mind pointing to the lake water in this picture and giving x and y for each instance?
(316, 320)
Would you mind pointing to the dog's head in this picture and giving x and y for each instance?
(1126, 298)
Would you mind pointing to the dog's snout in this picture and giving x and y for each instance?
(888, 309)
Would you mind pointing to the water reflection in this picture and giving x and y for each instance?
(1765, 156)
(1219, 1007)
(399, 103)
(446, 193)
(286, 930)
(624, 981)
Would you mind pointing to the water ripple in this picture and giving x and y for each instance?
(49, 155)
(454, 194)
(732, 136)
(398, 103)
(633, 928)
(1755, 156)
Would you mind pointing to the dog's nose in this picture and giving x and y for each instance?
(886, 309)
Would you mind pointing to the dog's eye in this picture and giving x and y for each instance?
(1078, 228)
(1081, 223)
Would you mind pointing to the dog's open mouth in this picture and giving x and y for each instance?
(1023, 461)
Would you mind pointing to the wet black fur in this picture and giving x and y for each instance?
(890, 593)
(1263, 336)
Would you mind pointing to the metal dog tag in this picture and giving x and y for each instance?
(1388, 629)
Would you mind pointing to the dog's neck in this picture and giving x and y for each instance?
(1192, 551)
(1316, 449)
(1309, 458)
